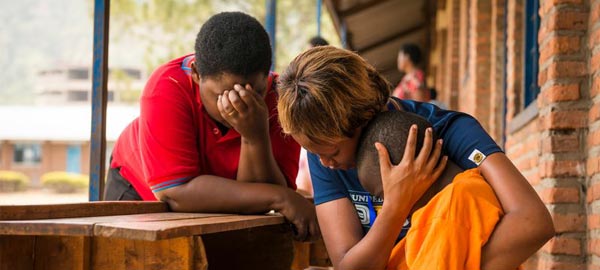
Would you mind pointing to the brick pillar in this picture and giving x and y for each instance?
(449, 94)
(475, 93)
(514, 55)
(496, 80)
(563, 103)
(593, 139)
(442, 36)
(463, 48)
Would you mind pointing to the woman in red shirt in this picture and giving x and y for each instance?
(412, 85)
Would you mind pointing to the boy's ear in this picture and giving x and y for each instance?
(195, 75)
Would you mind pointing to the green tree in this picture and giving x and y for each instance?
(165, 29)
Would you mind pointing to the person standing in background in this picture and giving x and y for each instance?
(317, 41)
(412, 85)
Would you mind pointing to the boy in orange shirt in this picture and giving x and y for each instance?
(454, 218)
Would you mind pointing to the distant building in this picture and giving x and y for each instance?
(73, 84)
(39, 139)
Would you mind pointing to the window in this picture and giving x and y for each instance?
(77, 95)
(78, 74)
(27, 154)
(135, 74)
(74, 158)
(532, 55)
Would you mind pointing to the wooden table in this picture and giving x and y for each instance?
(141, 235)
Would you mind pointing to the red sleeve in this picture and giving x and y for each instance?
(168, 134)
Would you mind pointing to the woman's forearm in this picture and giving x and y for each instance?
(373, 251)
(257, 163)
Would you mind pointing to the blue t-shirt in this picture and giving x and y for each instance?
(465, 142)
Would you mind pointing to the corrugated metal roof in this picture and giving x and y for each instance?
(60, 123)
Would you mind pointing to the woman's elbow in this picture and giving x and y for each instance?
(543, 226)
(173, 199)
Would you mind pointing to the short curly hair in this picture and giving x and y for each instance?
(232, 42)
(390, 128)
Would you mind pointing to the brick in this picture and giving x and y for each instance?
(594, 38)
(595, 12)
(567, 20)
(564, 120)
(561, 168)
(560, 45)
(592, 166)
(563, 245)
(594, 246)
(568, 222)
(557, 264)
(595, 86)
(542, 77)
(560, 92)
(595, 62)
(593, 138)
(594, 113)
(560, 195)
(566, 69)
(593, 221)
(545, 6)
(593, 192)
(560, 144)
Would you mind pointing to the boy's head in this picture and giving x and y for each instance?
(231, 48)
(390, 128)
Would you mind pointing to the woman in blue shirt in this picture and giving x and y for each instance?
(327, 95)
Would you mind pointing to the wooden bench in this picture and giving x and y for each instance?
(143, 235)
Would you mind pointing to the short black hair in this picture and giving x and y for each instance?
(432, 93)
(318, 41)
(413, 52)
(232, 42)
(390, 128)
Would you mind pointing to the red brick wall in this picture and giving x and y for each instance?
(556, 141)
(593, 138)
(563, 107)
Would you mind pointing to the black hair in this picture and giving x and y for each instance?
(432, 93)
(232, 42)
(413, 52)
(318, 41)
(390, 128)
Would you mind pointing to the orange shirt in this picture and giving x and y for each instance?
(450, 230)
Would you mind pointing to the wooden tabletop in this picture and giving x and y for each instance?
(105, 219)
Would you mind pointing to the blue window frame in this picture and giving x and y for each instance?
(532, 54)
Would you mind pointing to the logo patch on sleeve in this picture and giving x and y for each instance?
(477, 157)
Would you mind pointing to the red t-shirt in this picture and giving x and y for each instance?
(410, 84)
(174, 139)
